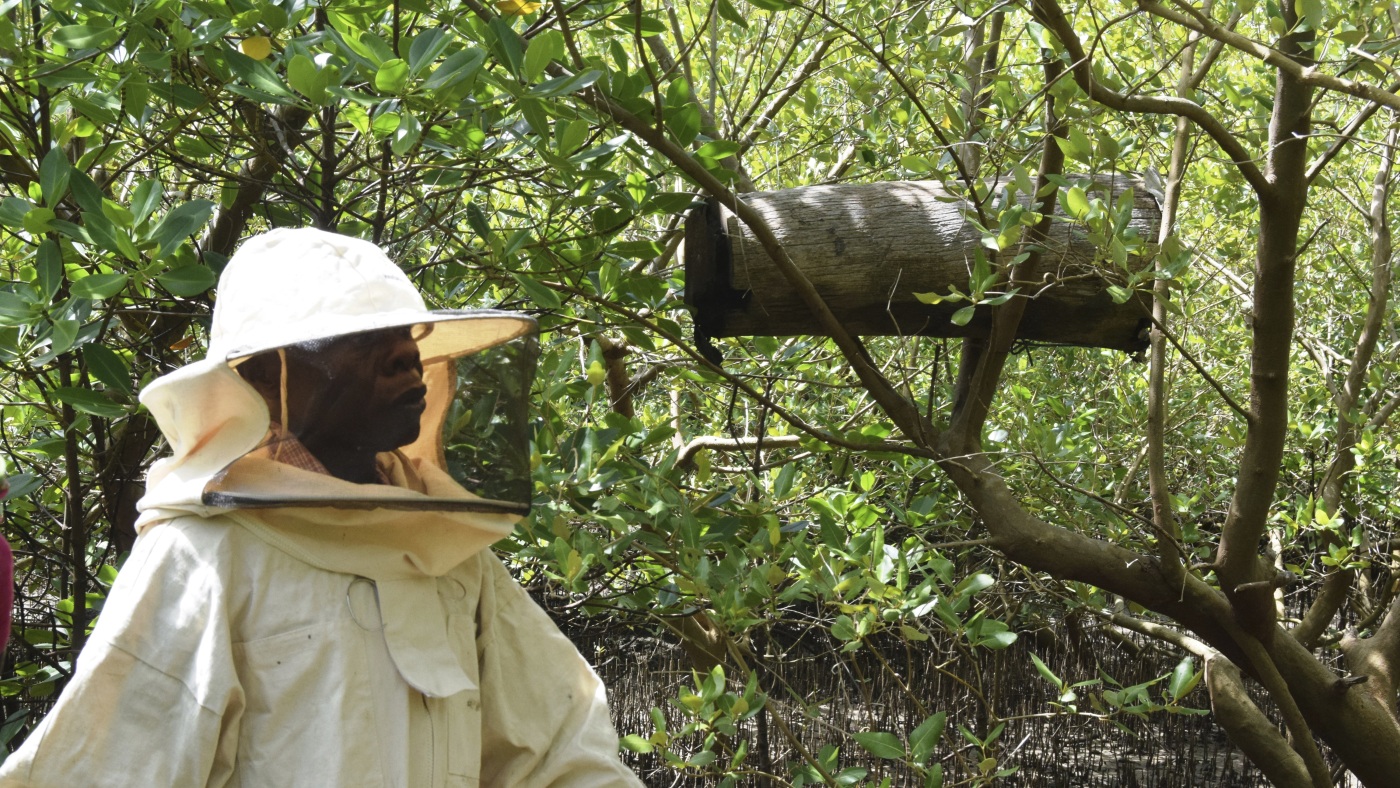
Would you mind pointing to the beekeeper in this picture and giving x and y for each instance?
(311, 600)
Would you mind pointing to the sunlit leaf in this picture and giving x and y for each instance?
(881, 744)
(99, 286)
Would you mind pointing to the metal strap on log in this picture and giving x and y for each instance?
(868, 248)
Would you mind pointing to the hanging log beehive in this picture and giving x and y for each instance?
(869, 248)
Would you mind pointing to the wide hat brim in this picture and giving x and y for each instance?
(455, 332)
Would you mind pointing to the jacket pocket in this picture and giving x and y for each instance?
(309, 715)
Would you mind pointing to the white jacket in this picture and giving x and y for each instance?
(220, 660)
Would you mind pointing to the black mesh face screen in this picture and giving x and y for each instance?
(486, 432)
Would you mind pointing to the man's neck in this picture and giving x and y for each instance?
(352, 465)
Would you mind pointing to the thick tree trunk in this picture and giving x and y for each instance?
(869, 248)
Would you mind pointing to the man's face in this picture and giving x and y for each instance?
(359, 393)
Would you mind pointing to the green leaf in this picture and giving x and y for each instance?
(187, 280)
(90, 402)
(544, 48)
(936, 298)
(915, 163)
(782, 485)
(48, 268)
(100, 109)
(560, 86)
(507, 44)
(684, 123)
(1108, 146)
(535, 115)
(180, 224)
(1184, 679)
(645, 25)
(392, 76)
(145, 200)
(679, 94)
(370, 47)
(881, 744)
(569, 135)
(702, 759)
(636, 250)
(1311, 14)
(1080, 147)
(15, 310)
(998, 300)
(636, 743)
(670, 202)
(544, 297)
(916, 635)
(974, 583)
(86, 36)
(407, 134)
(476, 219)
(599, 151)
(38, 220)
(65, 332)
(457, 68)
(306, 79)
(729, 12)
(426, 47)
(13, 210)
(1046, 673)
(108, 367)
(85, 192)
(22, 484)
(843, 628)
(997, 641)
(925, 737)
(963, 316)
(718, 149)
(384, 124)
(108, 236)
(1076, 202)
(1119, 294)
(99, 286)
(54, 173)
(257, 74)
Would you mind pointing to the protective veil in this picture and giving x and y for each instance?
(278, 624)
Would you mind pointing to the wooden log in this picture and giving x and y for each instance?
(869, 248)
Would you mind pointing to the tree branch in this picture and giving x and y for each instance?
(1303, 74)
(1250, 729)
(1238, 563)
(686, 457)
(1378, 657)
(1048, 13)
(1346, 137)
(982, 362)
(1337, 585)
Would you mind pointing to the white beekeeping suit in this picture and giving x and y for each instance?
(295, 615)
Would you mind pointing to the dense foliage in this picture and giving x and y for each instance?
(1228, 495)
